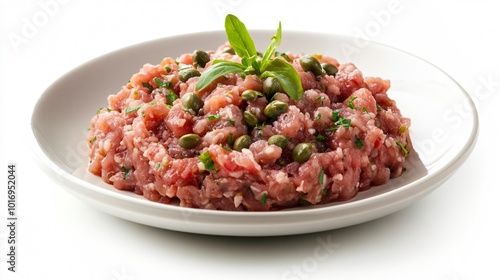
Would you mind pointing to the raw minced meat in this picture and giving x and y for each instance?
(356, 136)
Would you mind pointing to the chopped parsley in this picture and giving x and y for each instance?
(207, 161)
(162, 84)
(321, 178)
(92, 140)
(132, 109)
(157, 166)
(213, 117)
(358, 142)
(125, 172)
(230, 139)
(147, 85)
(263, 199)
(231, 121)
(260, 127)
(320, 137)
(344, 122)
(349, 102)
(304, 202)
(403, 149)
(339, 120)
(171, 97)
(320, 99)
(336, 115)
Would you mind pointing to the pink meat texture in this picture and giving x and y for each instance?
(134, 146)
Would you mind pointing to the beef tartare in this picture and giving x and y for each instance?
(250, 138)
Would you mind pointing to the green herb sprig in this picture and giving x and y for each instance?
(251, 62)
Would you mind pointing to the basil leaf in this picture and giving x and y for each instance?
(217, 69)
(275, 42)
(286, 75)
(251, 64)
(238, 37)
(257, 65)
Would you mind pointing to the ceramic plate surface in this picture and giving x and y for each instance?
(442, 137)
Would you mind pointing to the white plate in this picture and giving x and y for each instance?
(444, 131)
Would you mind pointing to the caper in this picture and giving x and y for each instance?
(301, 152)
(275, 108)
(189, 141)
(191, 103)
(329, 68)
(310, 63)
(278, 140)
(250, 119)
(200, 58)
(242, 142)
(271, 86)
(186, 74)
(250, 95)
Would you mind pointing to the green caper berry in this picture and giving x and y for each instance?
(250, 119)
(302, 152)
(191, 103)
(271, 86)
(275, 108)
(250, 95)
(242, 142)
(189, 141)
(330, 69)
(186, 74)
(278, 140)
(310, 63)
(200, 58)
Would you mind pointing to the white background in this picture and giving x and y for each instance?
(452, 234)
